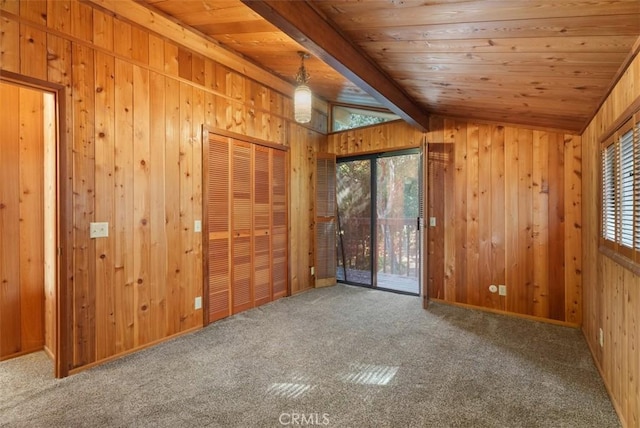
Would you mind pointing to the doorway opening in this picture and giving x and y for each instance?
(379, 201)
(29, 286)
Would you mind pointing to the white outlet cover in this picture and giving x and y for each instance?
(99, 230)
(198, 303)
(197, 226)
(502, 290)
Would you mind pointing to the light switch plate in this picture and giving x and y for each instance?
(502, 290)
(432, 221)
(98, 230)
(197, 226)
(197, 304)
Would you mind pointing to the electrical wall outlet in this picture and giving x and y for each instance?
(502, 290)
(197, 304)
(197, 226)
(313, 270)
(432, 222)
(98, 230)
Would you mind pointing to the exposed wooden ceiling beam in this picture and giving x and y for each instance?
(301, 21)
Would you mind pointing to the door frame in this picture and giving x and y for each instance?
(64, 219)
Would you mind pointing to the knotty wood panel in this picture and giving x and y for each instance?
(506, 212)
(611, 293)
(280, 220)
(22, 290)
(136, 135)
(493, 190)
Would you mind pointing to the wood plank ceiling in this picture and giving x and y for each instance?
(540, 63)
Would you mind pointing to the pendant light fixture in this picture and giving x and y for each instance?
(302, 95)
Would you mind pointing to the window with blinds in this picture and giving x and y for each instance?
(620, 192)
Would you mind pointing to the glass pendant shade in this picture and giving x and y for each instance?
(302, 104)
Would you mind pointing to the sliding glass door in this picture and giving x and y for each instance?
(379, 206)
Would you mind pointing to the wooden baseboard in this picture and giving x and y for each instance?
(511, 314)
(132, 351)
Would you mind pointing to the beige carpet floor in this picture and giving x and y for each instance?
(338, 357)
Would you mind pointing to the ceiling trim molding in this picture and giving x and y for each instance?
(302, 22)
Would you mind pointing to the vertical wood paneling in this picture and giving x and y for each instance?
(10, 293)
(31, 219)
(556, 228)
(135, 138)
(105, 188)
(611, 293)
(83, 198)
(524, 282)
(573, 226)
(123, 222)
(498, 230)
(10, 45)
(540, 182)
(158, 201)
(33, 52)
(141, 207)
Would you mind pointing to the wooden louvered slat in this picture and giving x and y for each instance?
(242, 219)
(325, 205)
(279, 255)
(242, 290)
(262, 225)
(218, 227)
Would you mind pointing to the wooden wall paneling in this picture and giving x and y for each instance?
(185, 66)
(197, 121)
(198, 69)
(10, 44)
(123, 228)
(102, 29)
(498, 237)
(304, 145)
(556, 228)
(10, 317)
(262, 285)
(31, 219)
(280, 222)
(140, 45)
(52, 240)
(36, 12)
(458, 134)
(511, 219)
(540, 182)
(122, 42)
(242, 213)
(105, 193)
(156, 52)
(573, 225)
(59, 15)
(187, 241)
(440, 159)
(33, 52)
(144, 318)
(83, 200)
(172, 210)
(171, 61)
(218, 226)
(158, 289)
(468, 205)
(481, 293)
(82, 21)
(524, 285)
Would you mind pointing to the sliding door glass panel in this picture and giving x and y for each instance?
(397, 212)
(353, 189)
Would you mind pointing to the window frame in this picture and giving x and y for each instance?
(624, 228)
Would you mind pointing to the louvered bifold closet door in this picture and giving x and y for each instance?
(325, 205)
(218, 227)
(280, 270)
(262, 226)
(242, 291)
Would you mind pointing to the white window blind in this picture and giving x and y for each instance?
(620, 215)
